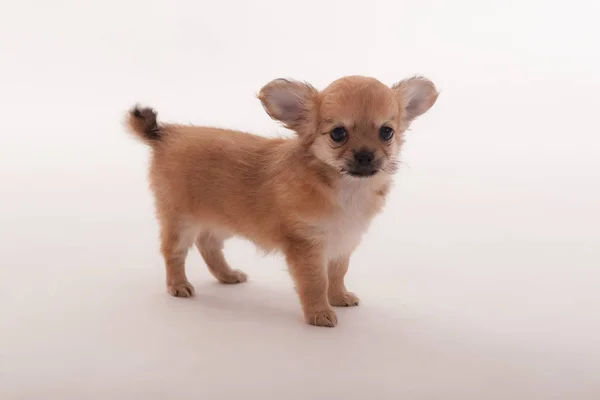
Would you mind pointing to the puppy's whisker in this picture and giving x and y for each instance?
(391, 168)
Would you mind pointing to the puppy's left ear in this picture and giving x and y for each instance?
(289, 102)
(416, 95)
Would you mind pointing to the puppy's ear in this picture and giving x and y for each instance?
(290, 102)
(416, 95)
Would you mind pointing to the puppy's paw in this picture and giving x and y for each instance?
(181, 289)
(344, 299)
(325, 317)
(232, 277)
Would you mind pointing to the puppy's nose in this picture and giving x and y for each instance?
(364, 157)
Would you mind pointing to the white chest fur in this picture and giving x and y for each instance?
(359, 201)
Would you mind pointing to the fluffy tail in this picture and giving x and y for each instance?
(142, 123)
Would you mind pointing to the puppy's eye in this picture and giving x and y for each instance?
(386, 133)
(338, 134)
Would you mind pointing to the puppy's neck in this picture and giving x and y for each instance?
(358, 200)
(376, 185)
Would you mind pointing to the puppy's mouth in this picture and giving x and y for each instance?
(362, 171)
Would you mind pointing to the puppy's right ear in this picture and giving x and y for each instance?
(290, 102)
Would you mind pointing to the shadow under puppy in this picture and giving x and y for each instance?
(310, 197)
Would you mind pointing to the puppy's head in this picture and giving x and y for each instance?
(355, 125)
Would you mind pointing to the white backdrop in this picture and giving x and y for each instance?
(480, 280)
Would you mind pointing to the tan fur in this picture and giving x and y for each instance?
(289, 195)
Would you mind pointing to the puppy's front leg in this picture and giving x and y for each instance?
(307, 266)
(337, 293)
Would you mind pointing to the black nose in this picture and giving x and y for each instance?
(364, 157)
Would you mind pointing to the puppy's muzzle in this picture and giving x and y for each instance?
(363, 164)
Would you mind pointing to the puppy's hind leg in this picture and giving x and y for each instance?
(210, 246)
(177, 238)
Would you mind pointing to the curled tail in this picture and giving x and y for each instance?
(142, 123)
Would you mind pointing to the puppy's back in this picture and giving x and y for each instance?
(216, 176)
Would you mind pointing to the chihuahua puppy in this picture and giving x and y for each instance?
(311, 197)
